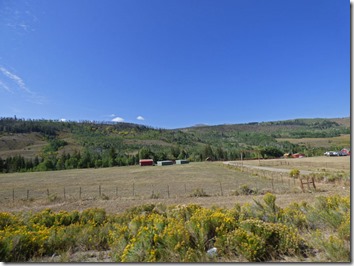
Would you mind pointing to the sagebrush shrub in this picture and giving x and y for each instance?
(184, 233)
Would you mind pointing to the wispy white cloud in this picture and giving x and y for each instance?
(18, 17)
(62, 120)
(117, 119)
(25, 27)
(13, 83)
(140, 118)
(18, 81)
(4, 86)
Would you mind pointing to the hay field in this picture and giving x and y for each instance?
(342, 140)
(119, 188)
(317, 164)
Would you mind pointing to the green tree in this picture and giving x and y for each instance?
(220, 153)
(146, 153)
(208, 152)
(183, 154)
(175, 151)
(271, 152)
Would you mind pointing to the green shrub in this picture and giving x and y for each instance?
(295, 173)
(7, 219)
(94, 215)
(266, 211)
(66, 218)
(246, 190)
(62, 238)
(199, 192)
(155, 196)
(294, 215)
(335, 249)
(104, 197)
(19, 244)
(46, 218)
(279, 238)
(247, 244)
(155, 233)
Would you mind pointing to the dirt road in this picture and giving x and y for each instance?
(279, 170)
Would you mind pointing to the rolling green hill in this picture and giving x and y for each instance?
(51, 145)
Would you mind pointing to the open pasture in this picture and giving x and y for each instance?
(119, 188)
(342, 140)
(317, 164)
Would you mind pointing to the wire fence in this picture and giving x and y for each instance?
(255, 184)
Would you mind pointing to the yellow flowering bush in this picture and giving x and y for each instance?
(118, 238)
(294, 215)
(205, 223)
(184, 233)
(249, 245)
(7, 219)
(173, 241)
(19, 244)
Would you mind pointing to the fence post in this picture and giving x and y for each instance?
(27, 194)
(64, 194)
(116, 191)
(13, 195)
(80, 194)
(99, 190)
(168, 191)
(133, 190)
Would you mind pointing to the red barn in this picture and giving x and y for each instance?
(298, 155)
(145, 162)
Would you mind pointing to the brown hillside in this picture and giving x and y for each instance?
(27, 144)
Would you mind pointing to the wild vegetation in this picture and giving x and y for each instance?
(200, 212)
(258, 232)
(71, 145)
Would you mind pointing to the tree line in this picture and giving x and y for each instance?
(107, 144)
(51, 160)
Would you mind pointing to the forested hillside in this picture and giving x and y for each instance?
(39, 145)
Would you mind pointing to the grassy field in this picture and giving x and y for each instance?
(319, 163)
(343, 140)
(119, 188)
(28, 145)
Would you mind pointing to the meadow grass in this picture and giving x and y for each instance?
(119, 188)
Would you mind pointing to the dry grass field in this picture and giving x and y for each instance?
(343, 141)
(28, 145)
(317, 164)
(119, 188)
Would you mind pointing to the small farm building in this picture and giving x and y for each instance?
(182, 161)
(167, 162)
(145, 162)
(298, 155)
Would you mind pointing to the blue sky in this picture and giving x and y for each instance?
(175, 63)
